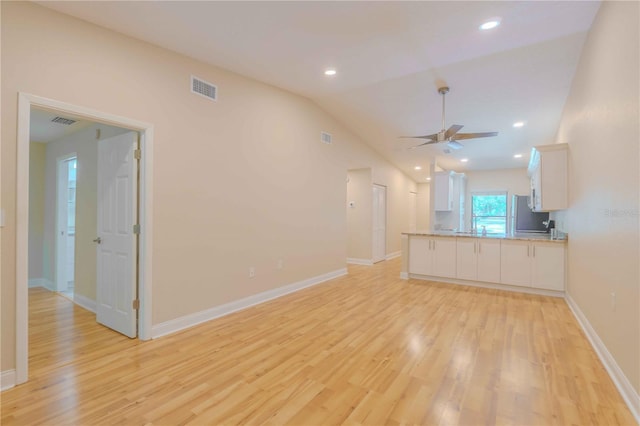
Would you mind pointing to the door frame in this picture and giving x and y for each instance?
(61, 255)
(25, 102)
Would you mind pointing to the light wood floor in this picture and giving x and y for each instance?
(368, 348)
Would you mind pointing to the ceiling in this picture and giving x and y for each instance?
(390, 59)
(43, 130)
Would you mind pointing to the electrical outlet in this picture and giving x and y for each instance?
(280, 263)
(252, 272)
(613, 301)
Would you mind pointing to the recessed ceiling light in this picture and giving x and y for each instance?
(464, 160)
(330, 72)
(517, 156)
(490, 24)
(428, 178)
(418, 168)
(518, 124)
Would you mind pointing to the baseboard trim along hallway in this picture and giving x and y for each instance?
(7, 379)
(627, 391)
(85, 302)
(191, 320)
(356, 261)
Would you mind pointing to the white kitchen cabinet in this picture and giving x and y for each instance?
(443, 191)
(548, 173)
(434, 256)
(489, 260)
(420, 255)
(535, 264)
(515, 263)
(467, 259)
(548, 266)
(444, 259)
(478, 259)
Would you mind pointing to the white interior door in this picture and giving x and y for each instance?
(379, 223)
(117, 195)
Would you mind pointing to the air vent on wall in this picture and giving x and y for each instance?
(203, 88)
(325, 137)
(62, 120)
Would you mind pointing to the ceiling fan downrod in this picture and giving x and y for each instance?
(443, 91)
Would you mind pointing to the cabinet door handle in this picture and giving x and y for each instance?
(534, 251)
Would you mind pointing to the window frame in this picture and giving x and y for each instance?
(504, 193)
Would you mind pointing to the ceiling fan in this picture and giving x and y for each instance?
(450, 135)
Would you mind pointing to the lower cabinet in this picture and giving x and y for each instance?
(548, 266)
(537, 264)
(515, 263)
(420, 256)
(434, 256)
(478, 259)
(533, 264)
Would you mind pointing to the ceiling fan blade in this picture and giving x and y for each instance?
(454, 144)
(430, 137)
(452, 130)
(461, 136)
(422, 144)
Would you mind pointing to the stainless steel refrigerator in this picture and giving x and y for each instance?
(523, 219)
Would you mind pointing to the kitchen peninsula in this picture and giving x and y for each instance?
(524, 262)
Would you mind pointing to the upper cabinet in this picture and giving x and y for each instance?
(444, 191)
(548, 173)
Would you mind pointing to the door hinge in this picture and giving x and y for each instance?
(137, 154)
(136, 304)
(136, 228)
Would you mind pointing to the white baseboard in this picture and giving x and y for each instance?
(494, 286)
(626, 389)
(404, 275)
(84, 302)
(355, 261)
(41, 282)
(36, 282)
(7, 379)
(393, 255)
(190, 320)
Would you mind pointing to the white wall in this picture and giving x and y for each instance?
(37, 161)
(238, 183)
(514, 181)
(601, 124)
(422, 213)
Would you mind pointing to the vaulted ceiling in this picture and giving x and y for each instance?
(390, 58)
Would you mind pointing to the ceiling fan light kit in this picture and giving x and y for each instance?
(450, 135)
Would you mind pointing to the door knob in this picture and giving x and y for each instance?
(97, 240)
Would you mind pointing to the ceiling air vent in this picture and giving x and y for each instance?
(62, 120)
(325, 137)
(203, 88)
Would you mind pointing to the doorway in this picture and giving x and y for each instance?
(66, 224)
(379, 223)
(143, 226)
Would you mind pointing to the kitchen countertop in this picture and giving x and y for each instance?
(525, 236)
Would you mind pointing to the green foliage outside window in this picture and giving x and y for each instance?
(490, 211)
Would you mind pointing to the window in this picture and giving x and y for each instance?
(489, 209)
